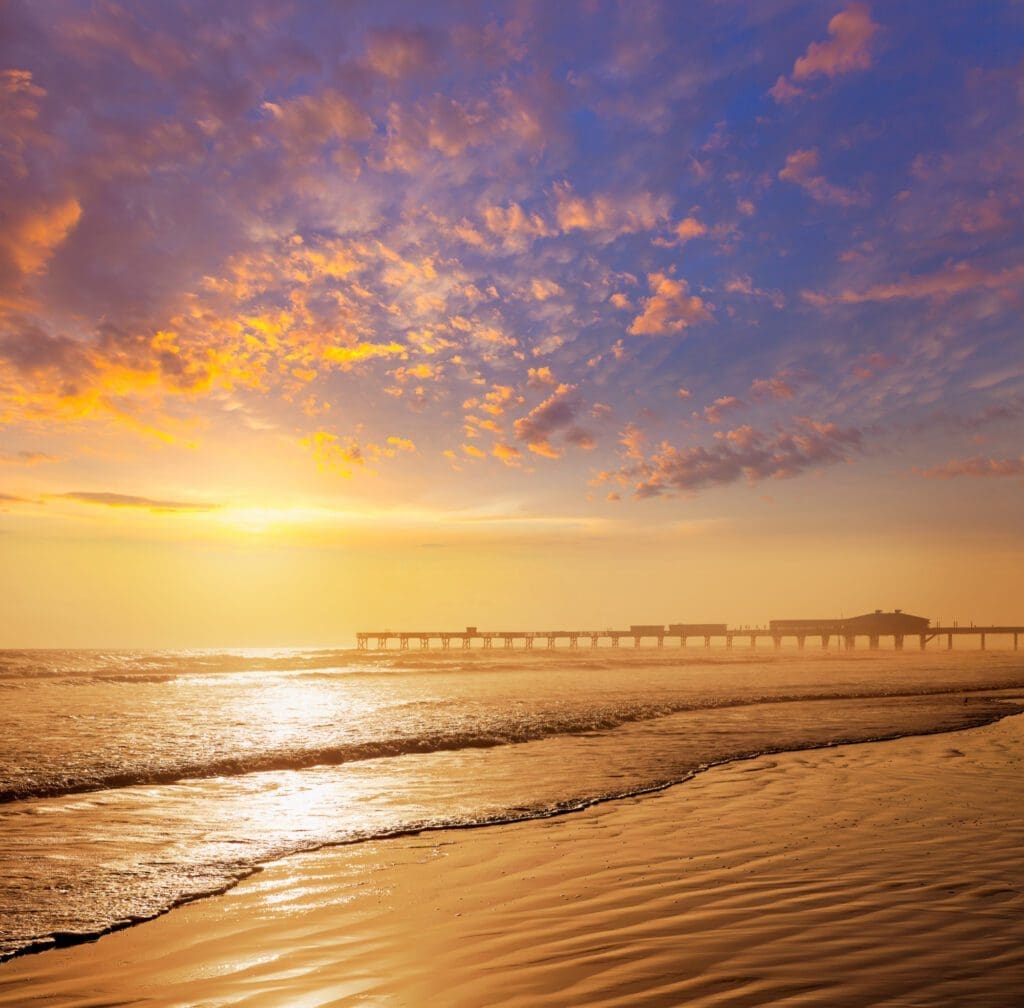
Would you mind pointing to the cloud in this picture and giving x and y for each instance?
(555, 413)
(400, 52)
(689, 228)
(609, 215)
(669, 309)
(306, 123)
(32, 234)
(116, 500)
(771, 388)
(509, 454)
(29, 458)
(542, 289)
(848, 49)
(541, 378)
(977, 467)
(347, 357)
(941, 285)
(514, 225)
(801, 169)
(742, 453)
(721, 406)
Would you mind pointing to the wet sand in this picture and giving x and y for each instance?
(880, 874)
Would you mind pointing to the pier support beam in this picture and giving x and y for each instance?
(777, 641)
(982, 642)
(851, 642)
(898, 641)
(923, 642)
(800, 641)
(873, 642)
(949, 642)
(824, 641)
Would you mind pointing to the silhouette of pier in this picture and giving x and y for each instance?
(875, 627)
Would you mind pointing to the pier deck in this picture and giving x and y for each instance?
(844, 636)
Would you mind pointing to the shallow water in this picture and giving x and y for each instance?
(130, 782)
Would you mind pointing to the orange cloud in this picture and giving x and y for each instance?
(979, 468)
(509, 454)
(612, 215)
(32, 234)
(669, 309)
(543, 289)
(348, 356)
(333, 454)
(540, 377)
(690, 227)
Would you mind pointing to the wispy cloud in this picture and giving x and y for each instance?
(117, 500)
(975, 468)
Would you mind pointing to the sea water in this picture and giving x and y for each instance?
(132, 782)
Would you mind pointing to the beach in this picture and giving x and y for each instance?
(882, 873)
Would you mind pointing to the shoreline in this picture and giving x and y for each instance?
(69, 940)
(345, 872)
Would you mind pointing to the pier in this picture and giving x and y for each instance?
(872, 627)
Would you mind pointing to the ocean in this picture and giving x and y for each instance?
(131, 782)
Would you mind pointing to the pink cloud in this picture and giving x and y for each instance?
(940, 285)
(801, 169)
(722, 405)
(399, 52)
(771, 388)
(848, 49)
(743, 453)
(554, 414)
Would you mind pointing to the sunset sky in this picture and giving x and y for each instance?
(317, 318)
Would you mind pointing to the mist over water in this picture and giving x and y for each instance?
(130, 782)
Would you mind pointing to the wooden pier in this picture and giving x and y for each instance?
(845, 632)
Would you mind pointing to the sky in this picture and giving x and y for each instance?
(317, 318)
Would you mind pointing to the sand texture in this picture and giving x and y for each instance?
(880, 874)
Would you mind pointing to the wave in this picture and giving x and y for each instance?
(337, 755)
(11, 949)
(138, 665)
